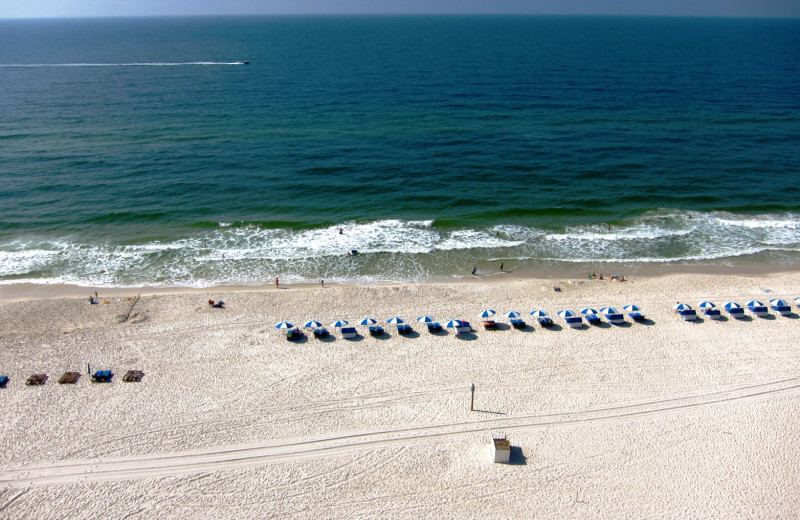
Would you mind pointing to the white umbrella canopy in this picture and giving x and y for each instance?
(732, 305)
(682, 307)
(284, 325)
(368, 321)
(566, 313)
(778, 303)
(608, 310)
(339, 323)
(395, 321)
(313, 324)
(754, 303)
(425, 319)
(454, 323)
(539, 314)
(511, 314)
(631, 308)
(487, 313)
(588, 311)
(706, 305)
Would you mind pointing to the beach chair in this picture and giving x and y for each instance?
(760, 311)
(574, 322)
(736, 312)
(3, 381)
(638, 317)
(518, 323)
(133, 376)
(544, 321)
(102, 376)
(593, 319)
(490, 325)
(688, 314)
(712, 314)
(404, 329)
(69, 378)
(781, 310)
(36, 380)
(294, 335)
(349, 333)
(321, 333)
(464, 328)
(616, 318)
(376, 330)
(434, 327)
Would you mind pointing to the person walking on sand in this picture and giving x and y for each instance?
(501, 266)
(322, 283)
(276, 281)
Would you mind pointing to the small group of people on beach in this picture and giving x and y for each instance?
(614, 277)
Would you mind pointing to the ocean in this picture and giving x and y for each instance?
(193, 152)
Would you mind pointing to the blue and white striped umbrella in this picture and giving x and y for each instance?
(778, 303)
(454, 323)
(339, 323)
(682, 307)
(395, 321)
(631, 308)
(313, 324)
(368, 321)
(732, 305)
(706, 305)
(754, 303)
(539, 314)
(588, 311)
(425, 319)
(284, 325)
(608, 310)
(511, 314)
(797, 301)
(566, 313)
(487, 313)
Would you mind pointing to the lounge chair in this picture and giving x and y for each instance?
(574, 322)
(544, 321)
(592, 319)
(36, 380)
(712, 314)
(294, 334)
(321, 333)
(760, 311)
(736, 312)
(133, 376)
(464, 328)
(403, 328)
(781, 310)
(3, 381)
(349, 333)
(616, 319)
(434, 327)
(102, 376)
(688, 314)
(490, 325)
(518, 323)
(69, 378)
(638, 317)
(376, 330)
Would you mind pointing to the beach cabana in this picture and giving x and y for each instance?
(513, 318)
(757, 308)
(613, 315)
(780, 307)
(573, 321)
(634, 312)
(542, 318)
(709, 310)
(591, 316)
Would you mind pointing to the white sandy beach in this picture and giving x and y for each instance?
(665, 419)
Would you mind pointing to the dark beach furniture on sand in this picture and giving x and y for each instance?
(712, 314)
(636, 316)
(545, 321)
(490, 325)
(517, 323)
(349, 333)
(294, 334)
(3, 381)
(133, 376)
(36, 379)
(404, 329)
(69, 378)
(688, 314)
(760, 311)
(321, 333)
(616, 318)
(434, 327)
(102, 376)
(376, 330)
(593, 319)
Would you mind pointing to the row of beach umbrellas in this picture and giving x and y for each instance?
(486, 313)
(733, 305)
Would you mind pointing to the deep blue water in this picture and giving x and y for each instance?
(146, 149)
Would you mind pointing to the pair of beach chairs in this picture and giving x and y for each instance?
(375, 330)
(404, 328)
(518, 323)
(321, 333)
(490, 325)
(349, 333)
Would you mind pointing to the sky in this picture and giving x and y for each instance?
(90, 8)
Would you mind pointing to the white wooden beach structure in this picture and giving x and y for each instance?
(501, 449)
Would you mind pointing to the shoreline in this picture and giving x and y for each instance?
(25, 291)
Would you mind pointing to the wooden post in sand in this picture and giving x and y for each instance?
(472, 403)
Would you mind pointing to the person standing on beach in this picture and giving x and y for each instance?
(276, 281)
(474, 270)
(501, 266)
(322, 283)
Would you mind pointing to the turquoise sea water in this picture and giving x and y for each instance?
(146, 152)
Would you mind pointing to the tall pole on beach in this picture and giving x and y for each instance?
(472, 402)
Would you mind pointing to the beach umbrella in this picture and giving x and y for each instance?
(511, 314)
(631, 308)
(682, 307)
(368, 321)
(313, 324)
(339, 323)
(706, 305)
(395, 321)
(797, 301)
(754, 303)
(589, 311)
(608, 310)
(284, 325)
(732, 305)
(487, 313)
(778, 303)
(566, 313)
(425, 319)
(538, 314)
(454, 323)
